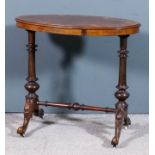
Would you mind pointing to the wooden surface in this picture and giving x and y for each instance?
(78, 25)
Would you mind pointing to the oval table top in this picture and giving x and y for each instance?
(78, 25)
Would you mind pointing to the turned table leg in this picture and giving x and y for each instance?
(31, 86)
(121, 94)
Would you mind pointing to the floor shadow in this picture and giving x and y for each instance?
(138, 131)
(13, 129)
(92, 127)
(100, 130)
(9, 121)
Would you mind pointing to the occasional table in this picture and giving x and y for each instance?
(80, 26)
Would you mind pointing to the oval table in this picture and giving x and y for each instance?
(81, 26)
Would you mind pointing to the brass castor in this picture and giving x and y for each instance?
(127, 121)
(21, 131)
(39, 113)
(114, 142)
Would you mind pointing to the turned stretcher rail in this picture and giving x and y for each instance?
(75, 106)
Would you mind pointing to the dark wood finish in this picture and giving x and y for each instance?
(75, 106)
(31, 86)
(78, 25)
(121, 94)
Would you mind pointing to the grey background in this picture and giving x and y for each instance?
(91, 75)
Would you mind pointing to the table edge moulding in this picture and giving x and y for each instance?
(78, 25)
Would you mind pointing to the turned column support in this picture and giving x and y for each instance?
(31, 86)
(121, 94)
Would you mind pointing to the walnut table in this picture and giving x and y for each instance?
(81, 26)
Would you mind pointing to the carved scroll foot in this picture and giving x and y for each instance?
(21, 131)
(114, 141)
(28, 111)
(118, 123)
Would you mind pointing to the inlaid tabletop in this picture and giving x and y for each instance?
(78, 25)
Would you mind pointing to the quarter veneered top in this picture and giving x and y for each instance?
(78, 25)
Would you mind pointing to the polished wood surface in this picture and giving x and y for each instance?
(31, 107)
(75, 106)
(121, 94)
(78, 25)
